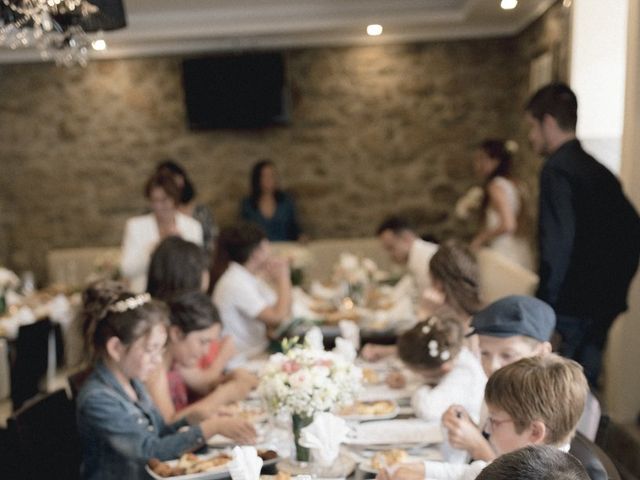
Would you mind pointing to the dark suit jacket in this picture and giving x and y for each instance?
(592, 458)
(589, 236)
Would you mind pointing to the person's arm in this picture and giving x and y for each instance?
(103, 414)
(499, 200)
(464, 434)
(557, 233)
(203, 380)
(274, 315)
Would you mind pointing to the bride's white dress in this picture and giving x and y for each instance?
(511, 246)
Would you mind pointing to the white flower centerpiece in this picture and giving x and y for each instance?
(303, 381)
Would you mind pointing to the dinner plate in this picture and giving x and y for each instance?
(214, 473)
(365, 417)
(432, 454)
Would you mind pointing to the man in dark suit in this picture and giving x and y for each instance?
(589, 231)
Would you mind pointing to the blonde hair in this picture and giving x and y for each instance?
(548, 388)
(431, 342)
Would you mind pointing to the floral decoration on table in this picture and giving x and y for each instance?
(303, 381)
(9, 282)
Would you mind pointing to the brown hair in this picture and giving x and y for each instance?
(535, 462)
(558, 101)
(455, 267)
(548, 388)
(431, 342)
(166, 182)
(100, 321)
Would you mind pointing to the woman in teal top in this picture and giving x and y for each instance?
(270, 207)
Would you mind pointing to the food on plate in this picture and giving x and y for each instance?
(369, 375)
(388, 458)
(187, 464)
(279, 476)
(380, 407)
(267, 455)
(396, 380)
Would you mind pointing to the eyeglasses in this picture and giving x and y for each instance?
(491, 423)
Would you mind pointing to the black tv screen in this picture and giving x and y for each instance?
(238, 91)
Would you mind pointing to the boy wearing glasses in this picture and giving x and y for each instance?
(534, 401)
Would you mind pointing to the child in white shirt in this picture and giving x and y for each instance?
(434, 350)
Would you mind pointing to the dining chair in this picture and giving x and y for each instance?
(45, 435)
(31, 362)
(597, 463)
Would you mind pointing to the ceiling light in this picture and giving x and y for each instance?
(508, 4)
(99, 44)
(374, 30)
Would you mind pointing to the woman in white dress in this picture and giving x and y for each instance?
(502, 204)
(143, 233)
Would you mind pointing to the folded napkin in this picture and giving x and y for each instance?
(246, 464)
(345, 349)
(350, 332)
(313, 338)
(324, 436)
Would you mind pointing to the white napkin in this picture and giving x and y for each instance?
(60, 310)
(344, 349)
(246, 464)
(350, 332)
(324, 436)
(313, 338)
(324, 293)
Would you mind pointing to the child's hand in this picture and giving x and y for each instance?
(464, 434)
(236, 429)
(396, 380)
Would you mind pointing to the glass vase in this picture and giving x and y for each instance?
(298, 423)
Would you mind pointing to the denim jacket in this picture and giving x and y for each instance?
(119, 435)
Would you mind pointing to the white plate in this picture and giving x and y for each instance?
(215, 473)
(391, 433)
(356, 417)
(432, 454)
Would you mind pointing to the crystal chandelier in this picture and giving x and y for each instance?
(58, 29)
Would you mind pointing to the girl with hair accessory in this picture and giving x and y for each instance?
(454, 292)
(119, 426)
(434, 350)
(194, 325)
(504, 204)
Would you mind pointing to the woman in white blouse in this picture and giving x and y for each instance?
(143, 233)
(249, 307)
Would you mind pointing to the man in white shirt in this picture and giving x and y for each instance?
(406, 248)
(248, 306)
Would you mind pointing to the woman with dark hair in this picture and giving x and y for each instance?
(188, 205)
(268, 206)
(194, 325)
(144, 232)
(119, 426)
(503, 204)
(249, 307)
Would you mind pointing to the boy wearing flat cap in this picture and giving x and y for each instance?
(509, 329)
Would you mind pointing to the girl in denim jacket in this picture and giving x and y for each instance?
(120, 428)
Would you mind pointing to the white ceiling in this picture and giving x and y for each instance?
(157, 27)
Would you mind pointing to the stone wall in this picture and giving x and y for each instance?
(375, 130)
